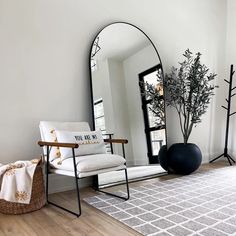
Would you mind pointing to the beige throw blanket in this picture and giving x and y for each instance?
(16, 181)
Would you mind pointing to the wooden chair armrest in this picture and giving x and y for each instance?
(53, 144)
(116, 141)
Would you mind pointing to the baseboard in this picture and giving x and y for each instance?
(205, 158)
(61, 183)
(216, 154)
(129, 163)
(140, 162)
(212, 156)
(232, 154)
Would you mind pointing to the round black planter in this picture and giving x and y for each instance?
(184, 158)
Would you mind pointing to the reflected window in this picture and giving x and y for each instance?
(99, 116)
(154, 119)
(157, 139)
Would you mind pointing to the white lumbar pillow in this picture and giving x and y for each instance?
(90, 142)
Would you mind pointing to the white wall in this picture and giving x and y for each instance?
(102, 89)
(230, 58)
(44, 46)
(108, 84)
(134, 65)
(120, 109)
(204, 32)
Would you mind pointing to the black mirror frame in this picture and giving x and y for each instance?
(90, 69)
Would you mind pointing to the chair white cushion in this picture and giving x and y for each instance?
(47, 131)
(90, 142)
(87, 174)
(90, 163)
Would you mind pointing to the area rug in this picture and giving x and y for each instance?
(203, 203)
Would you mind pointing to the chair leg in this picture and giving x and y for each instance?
(77, 188)
(114, 195)
(78, 195)
(63, 208)
(76, 182)
(127, 184)
(46, 171)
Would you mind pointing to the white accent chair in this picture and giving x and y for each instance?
(79, 166)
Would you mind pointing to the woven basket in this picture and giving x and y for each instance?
(37, 201)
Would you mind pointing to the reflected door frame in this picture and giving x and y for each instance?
(153, 159)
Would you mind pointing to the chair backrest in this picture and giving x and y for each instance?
(48, 126)
(47, 131)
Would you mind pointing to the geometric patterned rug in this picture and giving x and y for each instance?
(202, 203)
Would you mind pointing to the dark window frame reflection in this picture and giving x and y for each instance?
(153, 144)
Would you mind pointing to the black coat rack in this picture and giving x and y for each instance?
(230, 95)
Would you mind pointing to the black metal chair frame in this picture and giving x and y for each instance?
(73, 146)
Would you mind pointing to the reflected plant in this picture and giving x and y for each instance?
(157, 103)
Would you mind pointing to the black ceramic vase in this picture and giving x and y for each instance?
(184, 158)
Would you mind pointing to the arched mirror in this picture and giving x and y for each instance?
(123, 60)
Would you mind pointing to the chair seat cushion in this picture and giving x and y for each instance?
(90, 163)
(86, 174)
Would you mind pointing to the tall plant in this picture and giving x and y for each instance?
(189, 90)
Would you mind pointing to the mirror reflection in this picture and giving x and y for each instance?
(124, 66)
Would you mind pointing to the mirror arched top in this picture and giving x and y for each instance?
(121, 57)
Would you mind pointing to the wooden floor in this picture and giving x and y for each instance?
(52, 221)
